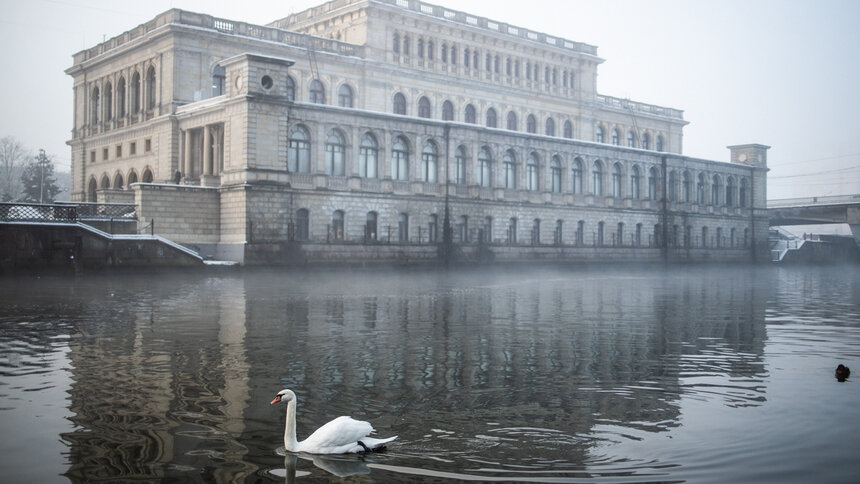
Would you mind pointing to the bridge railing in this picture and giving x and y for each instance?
(65, 212)
(806, 201)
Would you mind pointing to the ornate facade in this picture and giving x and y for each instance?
(344, 127)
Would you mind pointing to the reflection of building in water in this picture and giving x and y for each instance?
(156, 390)
(349, 123)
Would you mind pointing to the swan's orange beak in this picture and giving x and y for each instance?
(276, 400)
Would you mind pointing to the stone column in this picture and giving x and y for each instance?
(187, 160)
(207, 150)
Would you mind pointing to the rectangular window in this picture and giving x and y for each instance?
(92, 156)
(132, 148)
(147, 145)
(104, 154)
(119, 151)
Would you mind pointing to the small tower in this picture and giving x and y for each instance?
(755, 156)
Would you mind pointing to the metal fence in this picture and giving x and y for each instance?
(65, 212)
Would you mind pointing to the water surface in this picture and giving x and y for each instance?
(555, 375)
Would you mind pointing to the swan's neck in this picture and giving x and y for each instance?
(290, 442)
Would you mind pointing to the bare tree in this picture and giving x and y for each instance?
(12, 160)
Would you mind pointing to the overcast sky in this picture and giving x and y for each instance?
(783, 73)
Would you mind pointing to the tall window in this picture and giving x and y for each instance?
(659, 146)
(598, 134)
(638, 240)
(491, 118)
(700, 189)
(405, 45)
(615, 137)
(599, 240)
(108, 102)
(580, 232)
(550, 127)
(635, 179)
(619, 234)
(510, 169)
(403, 227)
(430, 49)
(485, 162)
(399, 159)
(443, 52)
(395, 43)
(334, 154)
(428, 161)
(555, 174)
(453, 54)
(291, 89)
(652, 183)
(421, 48)
(423, 107)
(532, 168)
(686, 187)
(120, 93)
(466, 58)
(370, 230)
(730, 191)
(536, 232)
(337, 225)
(399, 104)
(512, 121)
(597, 178)
(512, 230)
(460, 166)
(219, 79)
(716, 189)
(568, 129)
(135, 93)
(433, 228)
(462, 228)
(368, 153)
(150, 88)
(673, 186)
(646, 141)
(616, 180)
(344, 96)
(448, 111)
(299, 154)
(94, 103)
(531, 124)
(302, 229)
(576, 177)
(743, 193)
(559, 224)
(631, 139)
(471, 115)
(317, 92)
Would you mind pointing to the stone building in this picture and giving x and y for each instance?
(344, 131)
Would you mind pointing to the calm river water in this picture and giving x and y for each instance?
(698, 374)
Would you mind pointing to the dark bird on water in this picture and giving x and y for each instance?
(842, 372)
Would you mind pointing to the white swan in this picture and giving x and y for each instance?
(342, 435)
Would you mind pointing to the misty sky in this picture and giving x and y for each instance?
(783, 73)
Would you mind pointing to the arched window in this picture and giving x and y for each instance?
(638, 236)
(512, 121)
(646, 141)
(108, 102)
(652, 183)
(576, 177)
(395, 43)
(337, 225)
(302, 230)
(616, 180)
(475, 57)
(550, 127)
(443, 52)
(453, 54)
(488, 63)
(743, 193)
(580, 232)
(496, 64)
(344, 96)
(631, 139)
(491, 118)
(400, 159)
(105, 184)
(536, 232)
(517, 68)
(423, 107)
(120, 93)
(447, 111)
(485, 163)
(730, 191)
(219, 80)
(532, 170)
(512, 230)
(704, 236)
(673, 186)
(460, 166)
(92, 187)
(430, 50)
(700, 189)
(555, 174)
(147, 176)
(335, 153)
(598, 134)
(466, 58)
(428, 161)
(132, 178)
(405, 44)
(659, 146)
(291, 89)
(597, 178)
(719, 237)
(135, 93)
(471, 115)
(399, 104)
(716, 190)
(299, 153)
(150, 88)
(421, 48)
(557, 235)
(686, 187)
(509, 168)
(316, 92)
(528, 71)
(508, 66)
(94, 103)
(118, 181)
(462, 228)
(403, 227)
(616, 137)
(635, 180)
(568, 129)
(368, 154)
(531, 124)
(599, 241)
(370, 230)
(619, 234)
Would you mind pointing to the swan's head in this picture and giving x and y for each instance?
(284, 396)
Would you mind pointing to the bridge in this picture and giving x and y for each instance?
(838, 209)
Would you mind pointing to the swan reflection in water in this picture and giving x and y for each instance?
(340, 465)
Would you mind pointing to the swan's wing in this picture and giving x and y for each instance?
(339, 432)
